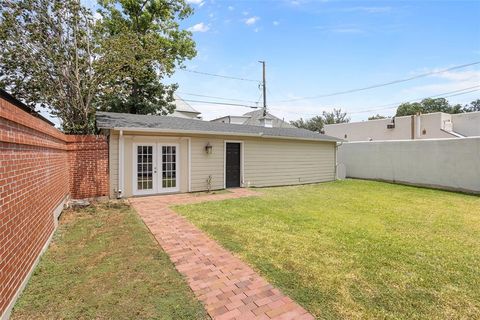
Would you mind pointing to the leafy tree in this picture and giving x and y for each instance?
(376, 117)
(54, 53)
(317, 123)
(313, 124)
(474, 106)
(408, 109)
(148, 44)
(428, 106)
(336, 116)
(48, 56)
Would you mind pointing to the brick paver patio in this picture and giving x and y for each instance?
(227, 286)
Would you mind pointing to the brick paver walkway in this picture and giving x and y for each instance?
(227, 286)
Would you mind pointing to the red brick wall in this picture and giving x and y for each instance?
(88, 162)
(39, 167)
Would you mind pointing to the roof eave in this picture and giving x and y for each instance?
(213, 133)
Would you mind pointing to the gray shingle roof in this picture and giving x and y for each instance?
(257, 114)
(183, 106)
(110, 120)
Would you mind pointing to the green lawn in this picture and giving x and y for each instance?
(358, 249)
(104, 264)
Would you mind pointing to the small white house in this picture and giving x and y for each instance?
(164, 154)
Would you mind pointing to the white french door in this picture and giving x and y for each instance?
(168, 165)
(156, 168)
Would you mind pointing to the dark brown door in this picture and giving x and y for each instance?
(232, 165)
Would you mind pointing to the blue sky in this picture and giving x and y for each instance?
(319, 47)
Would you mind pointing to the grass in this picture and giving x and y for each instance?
(358, 249)
(104, 264)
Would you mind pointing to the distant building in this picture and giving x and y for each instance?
(424, 126)
(255, 118)
(184, 110)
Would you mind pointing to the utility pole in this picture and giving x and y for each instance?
(264, 87)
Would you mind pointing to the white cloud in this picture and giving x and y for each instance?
(368, 9)
(197, 2)
(199, 27)
(447, 82)
(231, 8)
(251, 21)
(276, 23)
(298, 3)
(345, 29)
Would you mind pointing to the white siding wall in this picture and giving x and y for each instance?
(286, 162)
(205, 165)
(267, 162)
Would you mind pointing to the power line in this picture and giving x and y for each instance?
(222, 103)
(396, 104)
(382, 84)
(218, 75)
(214, 97)
(442, 95)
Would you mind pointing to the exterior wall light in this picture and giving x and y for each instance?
(208, 148)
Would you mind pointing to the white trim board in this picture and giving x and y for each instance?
(121, 161)
(189, 164)
(219, 133)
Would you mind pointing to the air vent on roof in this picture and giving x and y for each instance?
(391, 125)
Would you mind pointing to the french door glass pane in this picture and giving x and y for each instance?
(145, 167)
(169, 158)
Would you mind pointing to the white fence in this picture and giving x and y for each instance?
(452, 164)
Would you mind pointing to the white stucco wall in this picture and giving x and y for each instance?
(467, 124)
(425, 126)
(372, 129)
(445, 163)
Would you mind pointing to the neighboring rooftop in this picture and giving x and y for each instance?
(109, 120)
(253, 118)
(184, 110)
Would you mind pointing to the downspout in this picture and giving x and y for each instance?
(412, 127)
(419, 125)
(189, 164)
(337, 145)
(121, 160)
